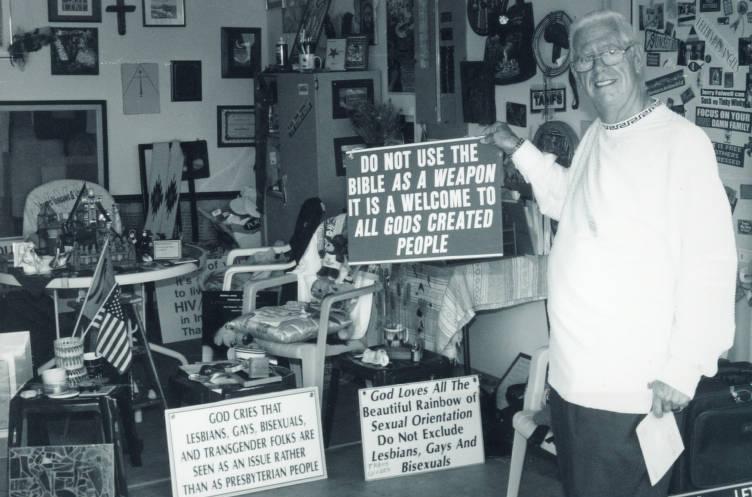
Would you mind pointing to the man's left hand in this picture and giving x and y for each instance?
(666, 398)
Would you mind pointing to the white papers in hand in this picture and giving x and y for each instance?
(660, 442)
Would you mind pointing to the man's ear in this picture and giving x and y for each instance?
(638, 58)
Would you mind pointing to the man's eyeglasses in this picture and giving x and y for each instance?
(610, 57)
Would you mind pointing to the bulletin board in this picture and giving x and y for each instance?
(698, 55)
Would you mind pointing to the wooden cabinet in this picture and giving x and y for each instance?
(302, 129)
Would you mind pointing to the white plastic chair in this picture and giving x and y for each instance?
(232, 270)
(524, 421)
(312, 355)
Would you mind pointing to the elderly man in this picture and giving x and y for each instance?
(642, 269)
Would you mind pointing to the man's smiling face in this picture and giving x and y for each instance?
(615, 90)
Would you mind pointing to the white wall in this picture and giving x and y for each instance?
(231, 168)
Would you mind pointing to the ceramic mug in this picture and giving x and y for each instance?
(55, 380)
(94, 364)
(309, 62)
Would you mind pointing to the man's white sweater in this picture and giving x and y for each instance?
(642, 271)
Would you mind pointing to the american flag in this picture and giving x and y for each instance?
(103, 309)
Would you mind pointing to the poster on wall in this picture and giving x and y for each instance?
(400, 45)
(423, 201)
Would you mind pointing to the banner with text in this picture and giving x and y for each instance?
(245, 444)
(420, 427)
(179, 304)
(422, 201)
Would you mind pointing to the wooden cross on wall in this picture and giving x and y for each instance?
(121, 9)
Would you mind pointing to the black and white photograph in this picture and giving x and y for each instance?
(715, 76)
(75, 52)
(241, 52)
(359, 248)
(186, 80)
(164, 13)
(745, 51)
(74, 10)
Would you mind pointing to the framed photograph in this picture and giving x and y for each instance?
(715, 76)
(310, 27)
(236, 125)
(347, 93)
(164, 13)
(75, 52)
(341, 147)
(745, 51)
(241, 52)
(5, 37)
(356, 53)
(186, 80)
(335, 54)
(74, 10)
(367, 20)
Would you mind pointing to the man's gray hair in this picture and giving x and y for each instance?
(621, 26)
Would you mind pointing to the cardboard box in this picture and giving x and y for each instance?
(15, 370)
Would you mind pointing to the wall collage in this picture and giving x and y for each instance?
(698, 56)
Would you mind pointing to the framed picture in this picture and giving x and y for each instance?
(310, 26)
(241, 52)
(74, 10)
(347, 93)
(186, 80)
(236, 125)
(164, 13)
(356, 53)
(341, 147)
(367, 20)
(335, 54)
(75, 51)
(5, 37)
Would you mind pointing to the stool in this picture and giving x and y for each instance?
(430, 367)
(35, 412)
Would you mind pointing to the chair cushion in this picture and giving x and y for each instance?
(292, 322)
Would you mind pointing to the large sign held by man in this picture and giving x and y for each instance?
(432, 200)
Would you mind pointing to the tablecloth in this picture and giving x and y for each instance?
(484, 286)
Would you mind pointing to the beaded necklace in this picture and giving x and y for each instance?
(631, 120)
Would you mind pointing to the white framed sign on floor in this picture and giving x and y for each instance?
(420, 427)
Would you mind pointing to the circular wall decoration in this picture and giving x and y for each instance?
(551, 43)
(558, 138)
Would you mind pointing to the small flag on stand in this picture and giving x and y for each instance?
(102, 307)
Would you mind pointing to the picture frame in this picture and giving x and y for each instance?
(241, 52)
(310, 26)
(186, 80)
(192, 152)
(80, 48)
(74, 10)
(356, 53)
(367, 18)
(335, 54)
(341, 147)
(5, 36)
(236, 125)
(348, 92)
(164, 13)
